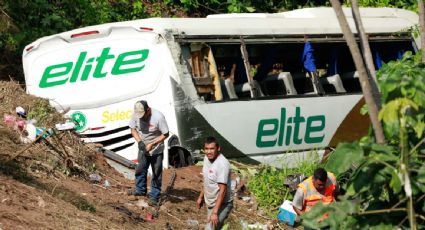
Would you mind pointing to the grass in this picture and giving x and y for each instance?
(267, 183)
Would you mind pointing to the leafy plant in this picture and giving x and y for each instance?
(387, 186)
(267, 183)
(40, 111)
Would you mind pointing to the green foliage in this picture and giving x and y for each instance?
(406, 4)
(40, 111)
(350, 153)
(267, 183)
(24, 21)
(387, 185)
(403, 88)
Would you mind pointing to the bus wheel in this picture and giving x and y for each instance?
(180, 157)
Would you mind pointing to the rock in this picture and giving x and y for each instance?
(41, 202)
(142, 204)
(95, 178)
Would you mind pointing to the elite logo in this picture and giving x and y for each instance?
(288, 130)
(124, 63)
(80, 120)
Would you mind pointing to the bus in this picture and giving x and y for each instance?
(239, 77)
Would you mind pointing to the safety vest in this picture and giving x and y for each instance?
(312, 196)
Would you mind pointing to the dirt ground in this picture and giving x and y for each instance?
(72, 203)
(45, 183)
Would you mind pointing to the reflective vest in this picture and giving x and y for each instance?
(312, 196)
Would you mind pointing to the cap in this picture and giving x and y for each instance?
(140, 108)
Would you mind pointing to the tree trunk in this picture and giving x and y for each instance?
(422, 27)
(358, 61)
(367, 54)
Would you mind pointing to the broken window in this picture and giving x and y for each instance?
(221, 71)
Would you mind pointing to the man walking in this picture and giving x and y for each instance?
(149, 128)
(216, 192)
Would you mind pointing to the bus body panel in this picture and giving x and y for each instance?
(99, 72)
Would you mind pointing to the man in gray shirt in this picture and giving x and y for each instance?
(216, 192)
(149, 128)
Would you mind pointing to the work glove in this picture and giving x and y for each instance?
(140, 157)
(141, 146)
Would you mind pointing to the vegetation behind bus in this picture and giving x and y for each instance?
(377, 180)
(25, 21)
(383, 178)
(267, 182)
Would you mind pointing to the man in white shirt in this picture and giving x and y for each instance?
(216, 192)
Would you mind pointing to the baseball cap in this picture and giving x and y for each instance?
(140, 108)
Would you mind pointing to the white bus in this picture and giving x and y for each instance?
(264, 109)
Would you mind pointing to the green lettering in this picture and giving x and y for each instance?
(87, 70)
(76, 72)
(266, 132)
(54, 75)
(288, 132)
(138, 57)
(282, 126)
(313, 129)
(101, 61)
(298, 119)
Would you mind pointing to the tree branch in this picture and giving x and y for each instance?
(358, 61)
(382, 211)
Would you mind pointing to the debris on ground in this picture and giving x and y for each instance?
(55, 181)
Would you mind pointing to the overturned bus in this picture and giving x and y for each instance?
(239, 77)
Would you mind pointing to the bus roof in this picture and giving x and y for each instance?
(307, 21)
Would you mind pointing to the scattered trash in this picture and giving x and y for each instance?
(14, 122)
(246, 198)
(42, 131)
(287, 213)
(106, 184)
(30, 133)
(142, 204)
(21, 112)
(238, 180)
(149, 217)
(233, 185)
(293, 180)
(68, 125)
(257, 226)
(95, 178)
(244, 224)
(178, 197)
(192, 224)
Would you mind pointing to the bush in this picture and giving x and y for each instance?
(267, 183)
(387, 187)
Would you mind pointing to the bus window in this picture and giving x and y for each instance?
(205, 74)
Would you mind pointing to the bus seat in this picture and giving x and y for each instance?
(245, 87)
(351, 81)
(350, 75)
(230, 89)
(241, 88)
(286, 77)
(334, 80)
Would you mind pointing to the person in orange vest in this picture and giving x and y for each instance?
(321, 187)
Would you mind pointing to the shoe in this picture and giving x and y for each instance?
(152, 202)
(133, 192)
